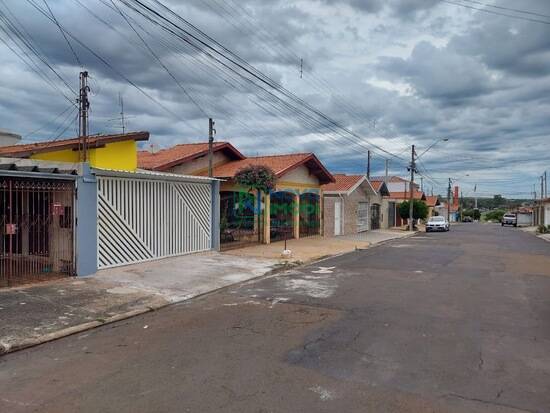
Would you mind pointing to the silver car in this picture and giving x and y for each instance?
(437, 224)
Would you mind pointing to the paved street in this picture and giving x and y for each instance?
(449, 322)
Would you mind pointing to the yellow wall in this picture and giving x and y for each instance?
(120, 156)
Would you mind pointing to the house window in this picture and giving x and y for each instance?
(66, 220)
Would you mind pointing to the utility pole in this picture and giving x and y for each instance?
(368, 165)
(541, 188)
(449, 202)
(411, 190)
(545, 184)
(387, 171)
(422, 184)
(83, 108)
(211, 133)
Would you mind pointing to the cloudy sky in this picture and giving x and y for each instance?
(392, 72)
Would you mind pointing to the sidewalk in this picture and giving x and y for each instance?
(38, 313)
(46, 311)
(318, 247)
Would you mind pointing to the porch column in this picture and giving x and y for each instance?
(322, 214)
(215, 229)
(267, 218)
(296, 215)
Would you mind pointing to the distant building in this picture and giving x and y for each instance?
(8, 138)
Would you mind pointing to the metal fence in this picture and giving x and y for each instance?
(37, 226)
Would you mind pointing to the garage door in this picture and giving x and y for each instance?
(145, 219)
(362, 216)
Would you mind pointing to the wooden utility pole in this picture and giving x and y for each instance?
(83, 108)
(211, 132)
(411, 191)
(387, 171)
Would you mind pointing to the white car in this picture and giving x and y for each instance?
(437, 224)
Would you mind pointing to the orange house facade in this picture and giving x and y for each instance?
(293, 209)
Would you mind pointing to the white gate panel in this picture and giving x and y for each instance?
(146, 219)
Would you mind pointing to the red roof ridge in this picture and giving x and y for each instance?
(281, 155)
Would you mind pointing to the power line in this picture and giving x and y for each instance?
(159, 60)
(63, 34)
(508, 8)
(109, 65)
(497, 13)
(223, 56)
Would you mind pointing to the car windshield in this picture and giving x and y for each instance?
(437, 219)
(509, 216)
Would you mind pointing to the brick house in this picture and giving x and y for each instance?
(353, 204)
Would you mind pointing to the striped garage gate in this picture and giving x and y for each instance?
(152, 216)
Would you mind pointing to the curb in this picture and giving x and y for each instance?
(6, 348)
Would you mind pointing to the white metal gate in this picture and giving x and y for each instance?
(145, 219)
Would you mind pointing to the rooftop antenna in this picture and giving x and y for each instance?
(122, 120)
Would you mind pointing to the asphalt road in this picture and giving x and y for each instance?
(449, 322)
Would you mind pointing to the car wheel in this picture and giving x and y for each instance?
(502, 224)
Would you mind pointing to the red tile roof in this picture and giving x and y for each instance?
(176, 155)
(432, 201)
(280, 164)
(343, 183)
(95, 141)
(406, 195)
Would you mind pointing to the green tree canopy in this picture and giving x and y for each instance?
(256, 177)
(420, 209)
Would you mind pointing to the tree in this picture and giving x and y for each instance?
(256, 177)
(420, 209)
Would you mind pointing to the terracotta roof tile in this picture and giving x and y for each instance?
(432, 201)
(280, 164)
(166, 158)
(406, 195)
(25, 150)
(343, 183)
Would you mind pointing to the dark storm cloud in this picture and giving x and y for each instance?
(417, 69)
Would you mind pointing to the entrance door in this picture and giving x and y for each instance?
(362, 216)
(375, 217)
(338, 217)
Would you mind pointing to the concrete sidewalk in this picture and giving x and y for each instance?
(314, 248)
(43, 312)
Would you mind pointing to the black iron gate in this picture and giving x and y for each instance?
(375, 217)
(36, 226)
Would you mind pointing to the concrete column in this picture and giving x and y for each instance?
(322, 214)
(296, 216)
(86, 223)
(215, 230)
(267, 219)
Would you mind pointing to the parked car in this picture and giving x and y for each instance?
(468, 219)
(437, 224)
(509, 219)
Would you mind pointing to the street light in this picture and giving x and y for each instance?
(414, 158)
(432, 145)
